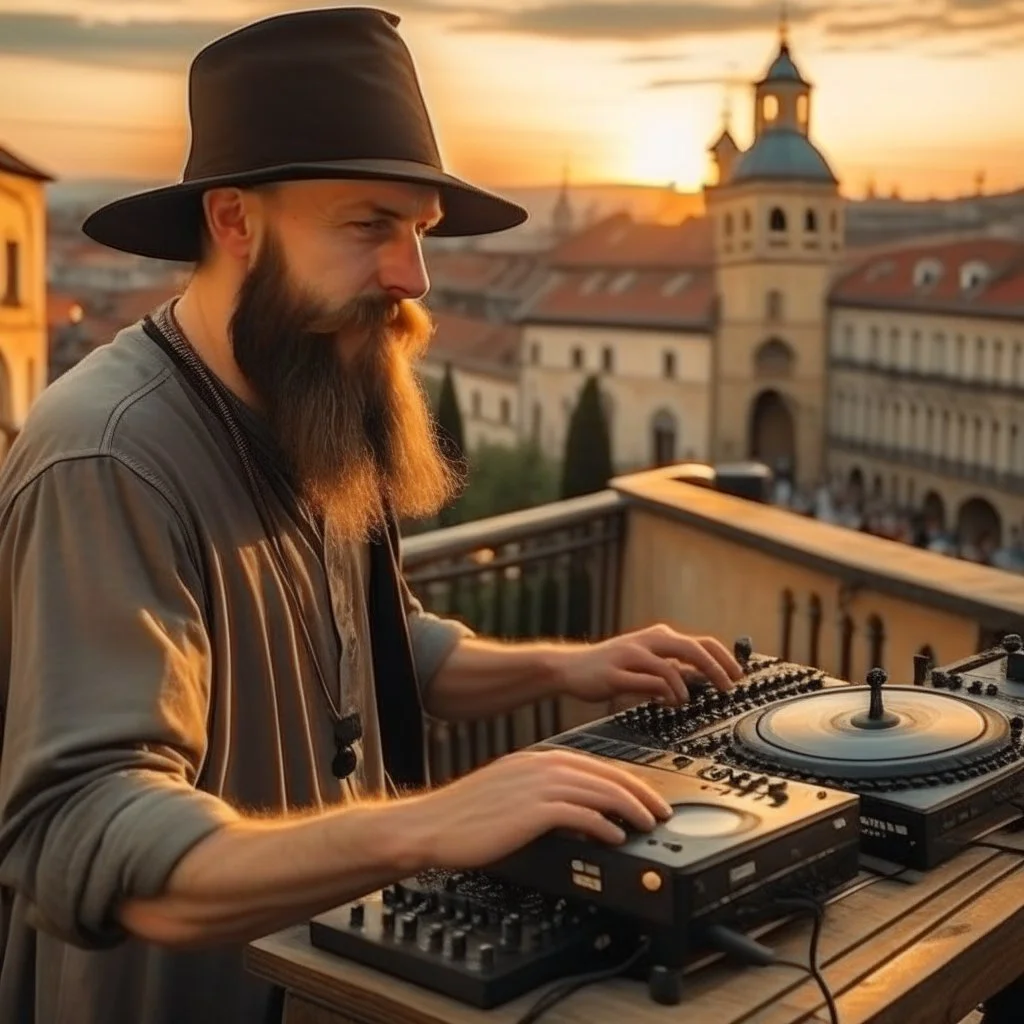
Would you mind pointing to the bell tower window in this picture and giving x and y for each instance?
(770, 108)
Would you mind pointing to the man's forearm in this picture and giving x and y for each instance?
(253, 877)
(481, 678)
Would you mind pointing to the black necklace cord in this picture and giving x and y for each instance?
(347, 729)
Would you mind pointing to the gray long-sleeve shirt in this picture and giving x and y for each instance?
(153, 686)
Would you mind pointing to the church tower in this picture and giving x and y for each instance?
(778, 235)
(562, 218)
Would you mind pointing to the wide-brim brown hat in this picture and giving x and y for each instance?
(319, 94)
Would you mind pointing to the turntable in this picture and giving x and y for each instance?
(934, 766)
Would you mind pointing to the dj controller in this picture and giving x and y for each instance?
(777, 787)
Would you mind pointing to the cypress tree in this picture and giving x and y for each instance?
(452, 438)
(449, 418)
(588, 459)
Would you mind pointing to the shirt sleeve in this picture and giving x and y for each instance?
(106, 696)
(432, 637)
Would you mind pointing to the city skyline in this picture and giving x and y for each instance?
(917, 94)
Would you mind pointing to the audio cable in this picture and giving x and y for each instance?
(566, 988)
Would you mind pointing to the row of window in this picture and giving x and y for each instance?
(577, 360)
(971, 440)
(778, 222)
(980, 359)
(476, 406)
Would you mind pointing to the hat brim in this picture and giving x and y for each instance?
(164, 223)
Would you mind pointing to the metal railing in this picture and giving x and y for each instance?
(547, 572)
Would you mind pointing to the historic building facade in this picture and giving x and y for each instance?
(23, 320)
(927, 354)
(778, 239)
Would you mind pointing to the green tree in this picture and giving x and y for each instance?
(588, 459)
(452, 438)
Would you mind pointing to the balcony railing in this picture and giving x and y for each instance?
(548, 572)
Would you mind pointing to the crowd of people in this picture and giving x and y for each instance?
(834, 502)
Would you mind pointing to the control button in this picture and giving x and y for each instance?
(651, 881)
(486, 952)
(408, 927)
(674, 847)
(356, 915)
(457, 949)
(387, 920)
(435, 938)
(975, 686)
(511, 931)
(681, 760)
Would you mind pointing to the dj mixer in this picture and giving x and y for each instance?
(777, 788)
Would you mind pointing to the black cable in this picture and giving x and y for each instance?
(1017, 851)
(566, 988)
(812, 966)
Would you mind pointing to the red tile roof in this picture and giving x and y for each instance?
(480, 346)
(619, 241)
(891, 279)
(652, 299)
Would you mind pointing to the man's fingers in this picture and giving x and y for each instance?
(723, 656)
(594, 765)
(666, 643)
(643, 660)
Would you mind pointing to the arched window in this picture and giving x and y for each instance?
(814, 617)
(727, 224)
(664, 438)
(773, 306)
(810, 221)
(777, 219)
(786, 609)
(774, 358)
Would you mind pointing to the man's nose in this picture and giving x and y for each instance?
(403, 274)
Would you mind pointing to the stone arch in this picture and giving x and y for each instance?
(934, 509)
(664, 437)
(855, 485)
(772, 431)
(979, 523)
(774, 358)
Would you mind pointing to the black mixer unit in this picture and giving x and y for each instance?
(932, 769)
(471, 936)
(737, 842)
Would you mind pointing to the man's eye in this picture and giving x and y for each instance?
(374, 226)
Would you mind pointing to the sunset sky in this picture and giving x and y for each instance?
(920, 93)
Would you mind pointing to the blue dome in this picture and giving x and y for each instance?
(783, 69)
(783, 154)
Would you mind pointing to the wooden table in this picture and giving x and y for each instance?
(918, 949)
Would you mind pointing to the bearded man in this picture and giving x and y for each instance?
(214, 674)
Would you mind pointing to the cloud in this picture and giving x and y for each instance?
(655, 58)
(136, 42)
(693, 82)
(964, 19)
(638, 21)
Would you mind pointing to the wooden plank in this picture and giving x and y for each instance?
(866, 934)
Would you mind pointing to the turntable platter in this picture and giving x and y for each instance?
(826, 734)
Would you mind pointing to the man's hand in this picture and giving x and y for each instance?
(654, 663)
(495, 810)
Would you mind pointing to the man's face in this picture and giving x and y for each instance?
(327, 328)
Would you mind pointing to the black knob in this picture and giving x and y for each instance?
(356, 915)
(409, 925)
(992, 690)
(1011, 642)
(447, 906)
(955, 681)
(665, 985)
(457, 948)
(486, 953)
(435, 938)
(743, 648)
(512, 931)
(387, 920)
(975, 686)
